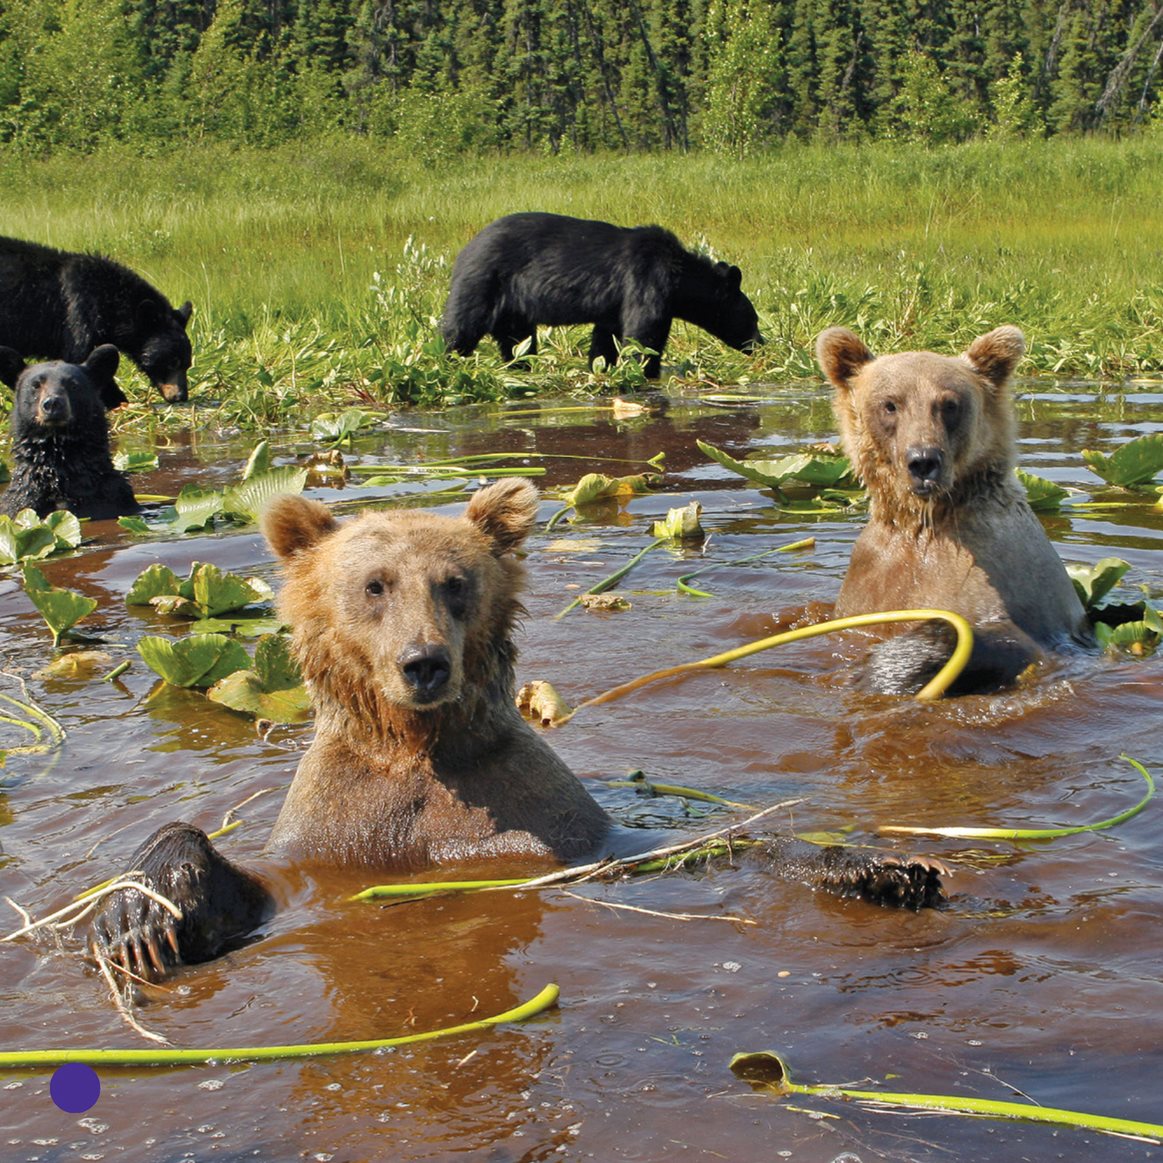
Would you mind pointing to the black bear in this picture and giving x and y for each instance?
(59, 305)
(60, 437)
(629, 282)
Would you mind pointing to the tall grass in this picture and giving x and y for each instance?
(911, 245)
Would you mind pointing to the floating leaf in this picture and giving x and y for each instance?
(1093, 582)
(61, 609)
(249, 498)
(681, 524)
(76, 664)
(242, 627)
(596, 486)
(216, 592)
(136, 525)
(816, 469)
(65, 527)
(195, 508)
(273, 689)
(340, 429)
(604, 602)
(26, 537)
(135, 461)
(174, 605)
(1135, 463)
(258, 462)
(1043, 496)
(540, 702)
(154, 581)
(198, 661)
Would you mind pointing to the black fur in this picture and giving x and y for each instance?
(629, 282)
(58, 305)
(220, 905)
(60, 437)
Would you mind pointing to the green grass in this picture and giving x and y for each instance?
(912, 246)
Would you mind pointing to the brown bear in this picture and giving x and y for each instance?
(932, 437)
(403, 626)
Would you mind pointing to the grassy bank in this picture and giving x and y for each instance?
(914, 247)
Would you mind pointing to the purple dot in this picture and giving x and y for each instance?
(74, 1087)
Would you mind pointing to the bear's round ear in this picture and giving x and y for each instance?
(505, 512)
(996, 354)
(102, 364)
(841, 354)
(734, 278)
(293, 523)
(11, 365)
(183, 313)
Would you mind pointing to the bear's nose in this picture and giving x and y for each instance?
(924, 465)
(54, 407)
(426, 669)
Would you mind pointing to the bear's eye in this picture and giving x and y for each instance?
(374, 588)
(455, 585)
(890, 407)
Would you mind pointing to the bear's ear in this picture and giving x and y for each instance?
(102, 365)
(996, 354)
(734, 278)
(148, 313)
(293, 523)
(11, 365)
(841, 354)
(183, 313)
(505, 512)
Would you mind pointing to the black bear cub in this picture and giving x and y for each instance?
(629, 282)
(60, 437)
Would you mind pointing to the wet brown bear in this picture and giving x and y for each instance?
(403, 626)
(932, 437)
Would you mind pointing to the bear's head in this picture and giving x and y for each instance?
(710, 295)
(164, 351)
(57, 397)
(922, 428)
(398, 614)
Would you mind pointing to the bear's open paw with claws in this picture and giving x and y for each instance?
(219, 904)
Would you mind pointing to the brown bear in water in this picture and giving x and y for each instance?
(932, 437)
(403, 626)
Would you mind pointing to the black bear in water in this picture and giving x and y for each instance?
(55, 304)
(60, 437)
(403, 626)
(629, 282)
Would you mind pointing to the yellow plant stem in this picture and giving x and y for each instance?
(161, 1056)
(933, 689)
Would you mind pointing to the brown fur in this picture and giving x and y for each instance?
(402, 776)
(932, 437)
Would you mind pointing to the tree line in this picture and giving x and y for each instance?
(447, 76)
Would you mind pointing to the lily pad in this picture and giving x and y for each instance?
(258, 462)
(682, 524)
(249, 498)
(596, 486)
(26, 537)
(135, 461)
(155, 581)
(273, 689)
(1093, 582)
(1043, 496)
(195, 508)
(61, 609)
(206, 593)
(819, 470)
(198, 661)
(1134, 464)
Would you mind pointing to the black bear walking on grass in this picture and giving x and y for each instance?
(629, 282)
(58, 305)
(60, 437)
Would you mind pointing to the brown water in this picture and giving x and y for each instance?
(1041, 977)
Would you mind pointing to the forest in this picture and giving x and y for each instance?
(553, 76)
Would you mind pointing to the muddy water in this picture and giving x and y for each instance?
(1040, 978)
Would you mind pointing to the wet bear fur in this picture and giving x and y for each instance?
(933, 438)
(55, 304)
(60, 437)
(403, 625)
(629, 282)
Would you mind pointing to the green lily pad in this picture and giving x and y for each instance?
(821, 470)
(273, 689)
(339, 429)
(1134, 464)
(242, 627)
(250, 498)
(1043, 496)
(198, 661)
(135, 461)
(596, 486)
(195, 508)
(682, 524)
(61, 609)
(1093, 582)
(258, 462)
(216, 592)
(155, 581)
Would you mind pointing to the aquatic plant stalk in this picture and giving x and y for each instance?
(161, 1056)
(1032, 833)
(933, 689)
(609, 582)
(767, 1070)
(683, 583)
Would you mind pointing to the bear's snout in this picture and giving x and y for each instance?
(174, 388)
(924, 463)
(426, 668)
(53, 408)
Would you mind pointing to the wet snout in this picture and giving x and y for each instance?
(924, 463)
(53, 409)
(426, 667)
(174, 389)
